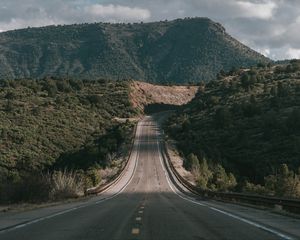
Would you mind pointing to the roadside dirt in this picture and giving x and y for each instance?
(143, 94)
(177, 162)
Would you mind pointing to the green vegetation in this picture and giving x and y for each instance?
(179, 51)
(211, 177)
(58, 133)
(248, 123)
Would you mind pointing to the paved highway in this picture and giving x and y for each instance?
(145, 204)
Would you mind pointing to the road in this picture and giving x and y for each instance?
(145, 204)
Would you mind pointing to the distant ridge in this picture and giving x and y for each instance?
(178, 51)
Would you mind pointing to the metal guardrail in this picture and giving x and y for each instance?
(102, 187)
(290, 205)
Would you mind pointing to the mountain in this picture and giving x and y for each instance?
(179, 51)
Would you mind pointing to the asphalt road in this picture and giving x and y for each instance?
(145, 204)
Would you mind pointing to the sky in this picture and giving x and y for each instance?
(268, 26)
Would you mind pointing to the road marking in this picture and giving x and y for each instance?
(267, 229)
(253, 223)
(142, 207)
(140, 212)
(135, 231)
(21, 225)
(138, 219)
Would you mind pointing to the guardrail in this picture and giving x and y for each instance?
(290, 205)
(100, 188)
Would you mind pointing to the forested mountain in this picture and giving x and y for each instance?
(179, 51)
(248, 123)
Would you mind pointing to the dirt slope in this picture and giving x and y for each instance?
(143, 94)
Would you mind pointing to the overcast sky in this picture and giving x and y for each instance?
(269, 26)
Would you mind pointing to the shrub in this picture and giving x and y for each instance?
(204, 174)
(63, 86)
(222, 118)
(93, 177)
(31, 188)
(222, 181)
(191, 162)
(66, 184)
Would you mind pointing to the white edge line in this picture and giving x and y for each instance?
(279, 234)
(21, 225)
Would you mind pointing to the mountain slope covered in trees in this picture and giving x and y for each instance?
(178, 51)
(50, 123)
(248, 123)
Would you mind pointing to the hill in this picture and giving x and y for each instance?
(247, 123)
(145, 96)
(58, 128)
(179, 51)
(45, 121)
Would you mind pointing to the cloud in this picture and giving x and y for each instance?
(293, 53)
(117, 13)
(34, 13)
(257, 10)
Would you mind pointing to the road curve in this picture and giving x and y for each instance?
(146, 204)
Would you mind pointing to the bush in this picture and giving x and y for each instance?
(209, 177)
(31, 188)
(285, 183)
(293, 121)
(50, 87)
(191, 162)
(223, 117)
(221, 181)
(252, 188)
(93, 177)
(63, 86)
(66, 184)
(204, 174)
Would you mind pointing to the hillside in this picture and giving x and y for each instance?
(145, 94)
(44, 121)
(53, 124)
(247, 123)
(178, 51)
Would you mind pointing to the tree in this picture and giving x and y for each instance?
(10, 95)
(261, 65)
(222, 117)
(281, 90)
(284, 184)
(50, 87)
(221, 181)
(293, 121)
(9, 107)
(204, 174)
(246, 81)
(63, 86)
(287, 182)
(192, 162)
(251, 108)
(273, 91)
